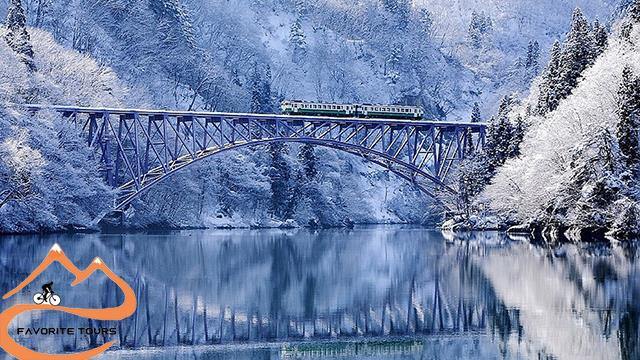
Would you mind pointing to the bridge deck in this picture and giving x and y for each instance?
(203, 114)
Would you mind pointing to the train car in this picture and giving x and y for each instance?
(390, 111)
(295, 107)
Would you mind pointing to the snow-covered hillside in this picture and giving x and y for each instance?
(575, 169)
(48, 180)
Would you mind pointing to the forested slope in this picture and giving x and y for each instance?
(576, 172)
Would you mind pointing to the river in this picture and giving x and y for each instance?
(391, 292)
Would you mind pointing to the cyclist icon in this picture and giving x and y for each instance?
(47, 296)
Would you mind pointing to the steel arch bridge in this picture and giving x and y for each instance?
(139, 148)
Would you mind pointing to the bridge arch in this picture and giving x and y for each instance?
(410, 173)
(137, 149)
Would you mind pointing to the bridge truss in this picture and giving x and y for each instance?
(139, 148)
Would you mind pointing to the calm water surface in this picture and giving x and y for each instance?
(365, 293)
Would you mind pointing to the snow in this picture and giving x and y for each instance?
(56, 248)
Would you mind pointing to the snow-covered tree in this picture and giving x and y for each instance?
(629, 114)
(261, 98)
(480, 27)
(567, 62)
(307, 157)
(267, 99)
(472, 174)
(625, 30)
(301, 9)
(578, 53)
(551, 80)
(634, 11)
(401, 10)
(500, 136)
(600, 37)
(174, 21)
(280, 178)
(297, 42)
(519, 129)
(533, 56)
(256, 88)
(20, 165)
(17, 36)
(476, 115)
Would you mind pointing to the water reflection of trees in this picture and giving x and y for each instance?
(199, 288)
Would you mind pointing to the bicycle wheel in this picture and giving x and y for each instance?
(38, 298)
(54, 300)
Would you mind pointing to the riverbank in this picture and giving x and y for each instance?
(538, 232)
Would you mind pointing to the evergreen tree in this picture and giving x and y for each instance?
(500, 132)
(629, 116)
(468, 148)
(551, 79)
(256, 88)
(297, 42)
(17, 36)
(308, 159)
(519, 129)
(600, 38)
(634, 11)
(301, 8)
(533, 57)
(578, 53)
(266, 99)
(261, 99)
(625, 30)
(401, 9)
(479, 27)
(476, 115)
(280, 176)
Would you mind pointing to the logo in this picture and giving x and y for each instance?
(50, 301)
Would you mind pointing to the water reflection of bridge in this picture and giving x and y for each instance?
(223, 324)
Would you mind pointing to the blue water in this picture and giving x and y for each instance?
(364, 293)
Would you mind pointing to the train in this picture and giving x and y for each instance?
(376, 111)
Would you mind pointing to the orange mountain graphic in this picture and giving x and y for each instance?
(124, 310)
